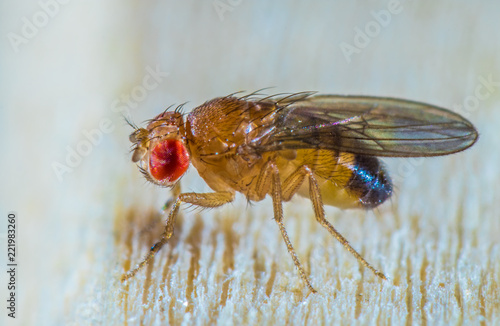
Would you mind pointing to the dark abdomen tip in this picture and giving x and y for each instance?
(369, 181)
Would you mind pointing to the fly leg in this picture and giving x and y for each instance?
(176, 191)
(269, 179)
(290, 187)
(319, 212)
(213, 199)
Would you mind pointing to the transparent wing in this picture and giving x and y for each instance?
(368, 126)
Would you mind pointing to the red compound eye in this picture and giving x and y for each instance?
(168, 161)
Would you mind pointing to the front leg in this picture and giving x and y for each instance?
(213, 199)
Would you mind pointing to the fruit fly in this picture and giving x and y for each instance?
(323, 147)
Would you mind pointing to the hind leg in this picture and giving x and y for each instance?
(290, 187)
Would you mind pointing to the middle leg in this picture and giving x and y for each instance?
(270, 178)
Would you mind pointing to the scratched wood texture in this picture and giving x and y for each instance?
(437, 238)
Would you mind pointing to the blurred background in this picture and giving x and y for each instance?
(71, 70)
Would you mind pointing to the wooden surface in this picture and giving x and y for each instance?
(437, 238)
